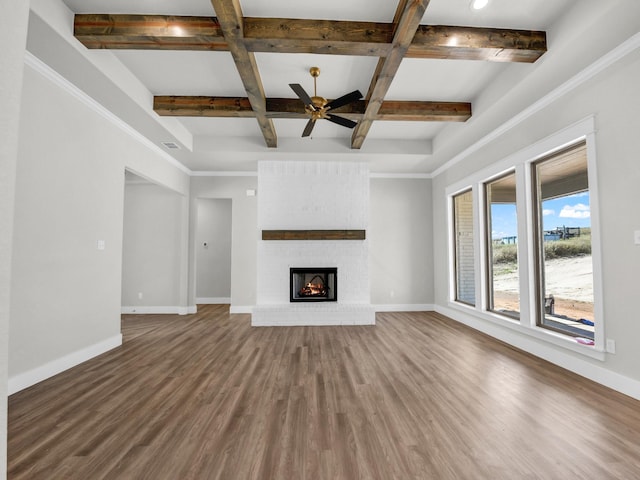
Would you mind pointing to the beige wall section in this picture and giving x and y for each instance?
(400, 234)
(152, 246)
(609, 96)
(244, 233)
(400, 248)
(13, 36)
(69, 195)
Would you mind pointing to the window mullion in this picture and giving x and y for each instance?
(479, 223)
(526, 246)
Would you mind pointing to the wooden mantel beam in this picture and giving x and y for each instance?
(417, 111)
(163, 32)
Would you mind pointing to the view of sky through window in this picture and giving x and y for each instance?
(569, 211)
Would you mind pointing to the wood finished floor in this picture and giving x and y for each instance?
(416, 397)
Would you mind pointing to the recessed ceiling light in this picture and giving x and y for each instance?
(478, 4)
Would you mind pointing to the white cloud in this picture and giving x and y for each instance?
(578, 210)
(548, 211)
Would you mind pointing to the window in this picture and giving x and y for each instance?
(502, 246)
(563, 243)
(522, 250)
(465, 289)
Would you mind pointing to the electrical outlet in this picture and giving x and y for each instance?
(139, 295)
(611, 345)
(636, 237)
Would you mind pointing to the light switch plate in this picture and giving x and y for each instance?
(611, 345)
(636, 237)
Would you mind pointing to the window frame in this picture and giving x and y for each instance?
(488, 245)
(538, 242)
(454, 293)
(520, 162)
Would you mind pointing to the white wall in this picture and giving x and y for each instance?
(397, 207)
(69, 194)
(153, 247)
(401, 251)
(244, 234)
(13, 35)
(213, 260)
(612, 97)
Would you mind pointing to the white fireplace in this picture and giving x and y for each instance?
(313, 196)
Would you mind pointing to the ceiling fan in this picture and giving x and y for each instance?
(318, 107)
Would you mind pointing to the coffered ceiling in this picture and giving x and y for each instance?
(218, 85)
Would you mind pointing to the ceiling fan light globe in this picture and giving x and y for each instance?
(319, 102)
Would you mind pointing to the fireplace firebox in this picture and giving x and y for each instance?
(313, 284)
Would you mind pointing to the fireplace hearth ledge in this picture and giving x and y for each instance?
(315, 314)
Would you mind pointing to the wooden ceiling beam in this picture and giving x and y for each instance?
(406, 22)
(149, 32)
(162, 32)
(318, 36)
(231, 22)
(418, 111)
(473, 43)
(187, 106)
(424, 111)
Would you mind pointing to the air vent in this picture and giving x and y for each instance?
(171, 145)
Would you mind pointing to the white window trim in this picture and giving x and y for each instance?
(521, 161)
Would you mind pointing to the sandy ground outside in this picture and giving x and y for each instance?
(569, 280)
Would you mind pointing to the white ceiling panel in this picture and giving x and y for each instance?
(442, 80)
(151, 7)
(339, 74)
(356, 10)
(184, 72)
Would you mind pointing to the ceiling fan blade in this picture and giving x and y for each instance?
(345, 122)
(307, 129)
(343, 100)
(306, 99)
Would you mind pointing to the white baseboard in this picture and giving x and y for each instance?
(38, 374)
(170, 310)
(241, 309)
(409, 307)
(213, 300)
(550, 353)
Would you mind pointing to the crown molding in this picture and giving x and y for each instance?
(604, 62)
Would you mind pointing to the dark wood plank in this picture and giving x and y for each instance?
(317, 36)
(424, 111)
(406, 21)
(313, 234)
(231, 22)
(199, 106)
(416, 396)
(474, 43)
(286, 35)
(149, 32)
(186, 106)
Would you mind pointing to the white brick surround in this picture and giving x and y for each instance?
(313, 196)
